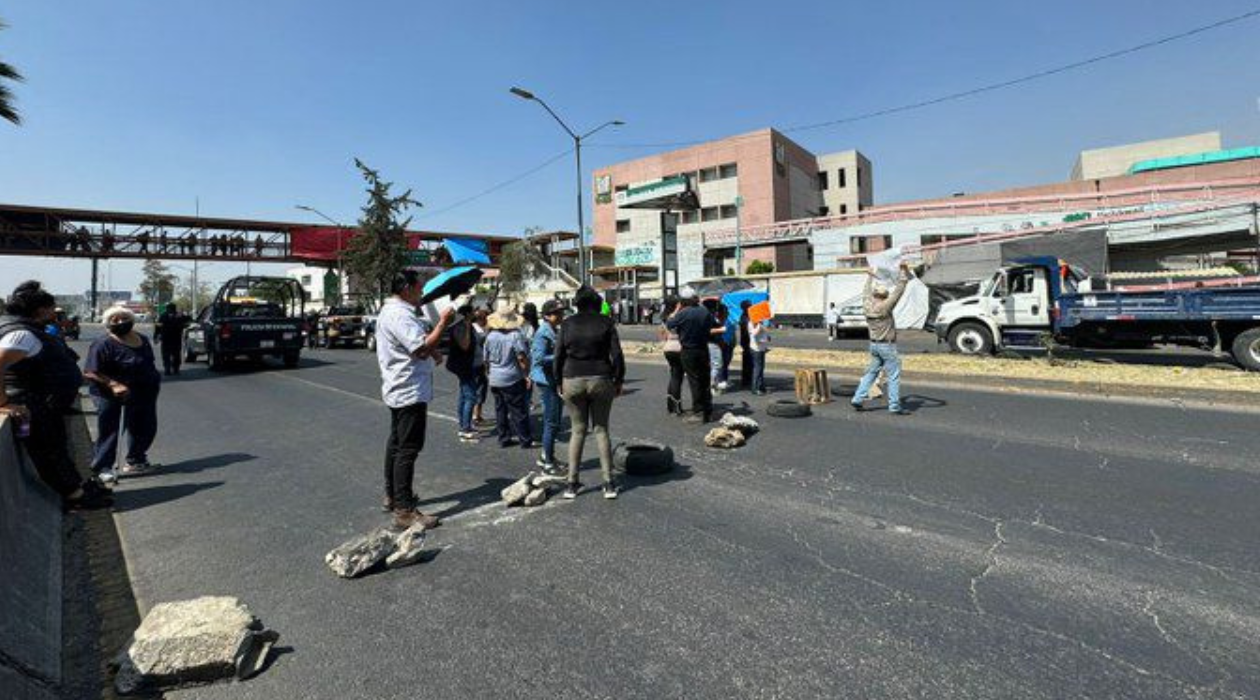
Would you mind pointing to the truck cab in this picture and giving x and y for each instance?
(1015, 306)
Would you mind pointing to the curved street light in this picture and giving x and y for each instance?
(577, 149)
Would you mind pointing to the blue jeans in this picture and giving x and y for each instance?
(138, 417)
(553, 408)
(468, 391)
(758, 369)
(883, 356)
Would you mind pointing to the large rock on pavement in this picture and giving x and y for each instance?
(537, 497)
(193, 642)
(361, 553)
(517, 492)
(742, 424)
(724, 438)
(407, 547)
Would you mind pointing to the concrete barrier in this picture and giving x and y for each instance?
(30, 577)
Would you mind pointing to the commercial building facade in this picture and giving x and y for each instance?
(751, 179)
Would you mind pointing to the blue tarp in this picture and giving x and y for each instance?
(732, 302)
(467, 250)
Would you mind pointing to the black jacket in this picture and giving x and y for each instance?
(587, 346)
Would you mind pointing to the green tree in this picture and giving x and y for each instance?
(184, 296)
(158, 286)
(518, 263)
(378, 250)
(759, 267)
(8, 73)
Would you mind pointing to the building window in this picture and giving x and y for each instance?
(623, 225)
(688, 217)
(860, 245)
(934, 238)
(306, 280)
(840, 181)
(859, 176)
(844, 209)
(822, 180)
(709, 214)
(729, 211)
(708, 174)
(823, 211)
(727, 171)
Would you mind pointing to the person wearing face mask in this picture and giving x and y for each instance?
(124, 383)
(39, 382)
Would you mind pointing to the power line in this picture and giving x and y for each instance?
(977, 90)
(495, 188)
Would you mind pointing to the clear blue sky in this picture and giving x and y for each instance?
(255, 106)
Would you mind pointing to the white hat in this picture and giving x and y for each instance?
(114, 311)
(879, 290)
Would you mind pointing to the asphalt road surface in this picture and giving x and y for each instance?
(987, 546)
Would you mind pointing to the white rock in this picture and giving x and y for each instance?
(361, 553)
(517, 492)
(536, 497)
(743, 424)
(193, 642)
(407, 547)
(724, 438)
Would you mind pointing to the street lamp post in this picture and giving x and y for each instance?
(577, 150)
(341, 257)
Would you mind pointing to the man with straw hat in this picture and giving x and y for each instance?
(507, 365)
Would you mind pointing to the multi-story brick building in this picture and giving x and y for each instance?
(747, 180)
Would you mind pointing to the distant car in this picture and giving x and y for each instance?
(851, 321)
(68, 326)
(344, 325)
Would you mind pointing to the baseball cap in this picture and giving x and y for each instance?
(552, 306)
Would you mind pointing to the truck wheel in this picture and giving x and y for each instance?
(291, 359)
(1246, 349)
(216, 361)
(971, 339)
(190, 356)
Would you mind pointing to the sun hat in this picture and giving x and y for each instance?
(506, 320)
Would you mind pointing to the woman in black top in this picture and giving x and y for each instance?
(673, 355)
(124, 385)
(591, 371)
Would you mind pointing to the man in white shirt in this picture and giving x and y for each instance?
(407, 351)
(832, 318)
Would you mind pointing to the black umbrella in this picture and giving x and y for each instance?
(452, 283)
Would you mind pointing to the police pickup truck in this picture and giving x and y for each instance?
(251, 317)
(1025, 304)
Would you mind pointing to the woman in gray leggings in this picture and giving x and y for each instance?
(591, 370)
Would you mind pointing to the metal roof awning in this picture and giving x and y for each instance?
(672, 194)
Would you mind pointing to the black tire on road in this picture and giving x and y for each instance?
(1246, 349)
(788, 408)
(643, 459)
(190, 357)
(291, 359)
(969, 338)
(216, 361)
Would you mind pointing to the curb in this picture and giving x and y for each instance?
(1159, 396)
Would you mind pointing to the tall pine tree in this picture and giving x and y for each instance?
(378, 250)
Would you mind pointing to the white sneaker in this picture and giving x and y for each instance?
(107, 477)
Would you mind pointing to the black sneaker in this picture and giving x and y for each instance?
(571, 491)
(610, 490)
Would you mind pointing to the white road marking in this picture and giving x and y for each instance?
(368, 399)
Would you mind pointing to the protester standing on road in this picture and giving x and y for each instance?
(591, 368)
(169, 333)
(124, 383)
(878, 307)
(726, 345)
(673, 356)
(39, 382)
(832, 319)
(758, 346)
(480, 317)
(529, 312)
(461, 361)
(696, 327)
(542, 359)
(507, 367)
(745, 347)
(407, 351)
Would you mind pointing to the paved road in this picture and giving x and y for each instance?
(988, 546)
